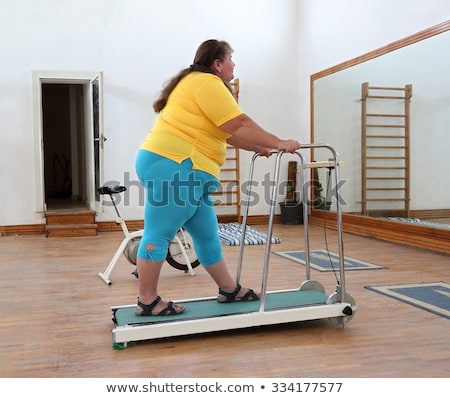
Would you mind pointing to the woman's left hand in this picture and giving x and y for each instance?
(263, 151)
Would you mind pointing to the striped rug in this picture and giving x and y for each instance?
(231, 234)
(418, 221)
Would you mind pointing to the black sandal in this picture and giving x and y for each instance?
(148, 308)
(231, 297)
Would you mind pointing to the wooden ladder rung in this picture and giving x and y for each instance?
(230, 180)
(386, 178)
(227, 204)
(385, 97)
(387, 88)
(217, 193)
(384, 147)
(385, 189)
(385, 157)
(386, 200)
(228, 169)
(384, 115)
(376, 166)
(385, 136)
(385, 168)
(395, 126)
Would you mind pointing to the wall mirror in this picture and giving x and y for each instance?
(421, 60)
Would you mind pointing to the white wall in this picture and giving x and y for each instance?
(138, 45)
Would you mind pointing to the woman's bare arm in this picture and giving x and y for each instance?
(244, 144)
(246, 132)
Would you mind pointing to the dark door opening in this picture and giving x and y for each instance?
(64, 146)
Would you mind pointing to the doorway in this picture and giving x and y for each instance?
(69, 140)
(64, 142)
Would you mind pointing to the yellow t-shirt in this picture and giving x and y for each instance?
(187, 126)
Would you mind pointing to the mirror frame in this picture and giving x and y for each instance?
(424, 237)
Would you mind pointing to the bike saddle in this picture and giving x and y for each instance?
(111, 189)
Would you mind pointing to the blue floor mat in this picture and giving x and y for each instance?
(323, 261)
(431, 296)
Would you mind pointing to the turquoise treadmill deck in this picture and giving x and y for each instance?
(211, 308)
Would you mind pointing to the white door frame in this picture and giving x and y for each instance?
(63, 77)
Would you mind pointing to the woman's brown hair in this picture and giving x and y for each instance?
(206, 54)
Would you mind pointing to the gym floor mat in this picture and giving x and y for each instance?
(323, 261)
(430, 296)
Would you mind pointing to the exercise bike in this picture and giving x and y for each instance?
(180, 255)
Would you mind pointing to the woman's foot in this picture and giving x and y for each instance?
(238, 294)
(158, 308)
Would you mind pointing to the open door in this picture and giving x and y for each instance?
(98, 137)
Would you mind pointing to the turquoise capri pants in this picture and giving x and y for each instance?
(177, 196)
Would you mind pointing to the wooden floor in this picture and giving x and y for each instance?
(56, 317)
